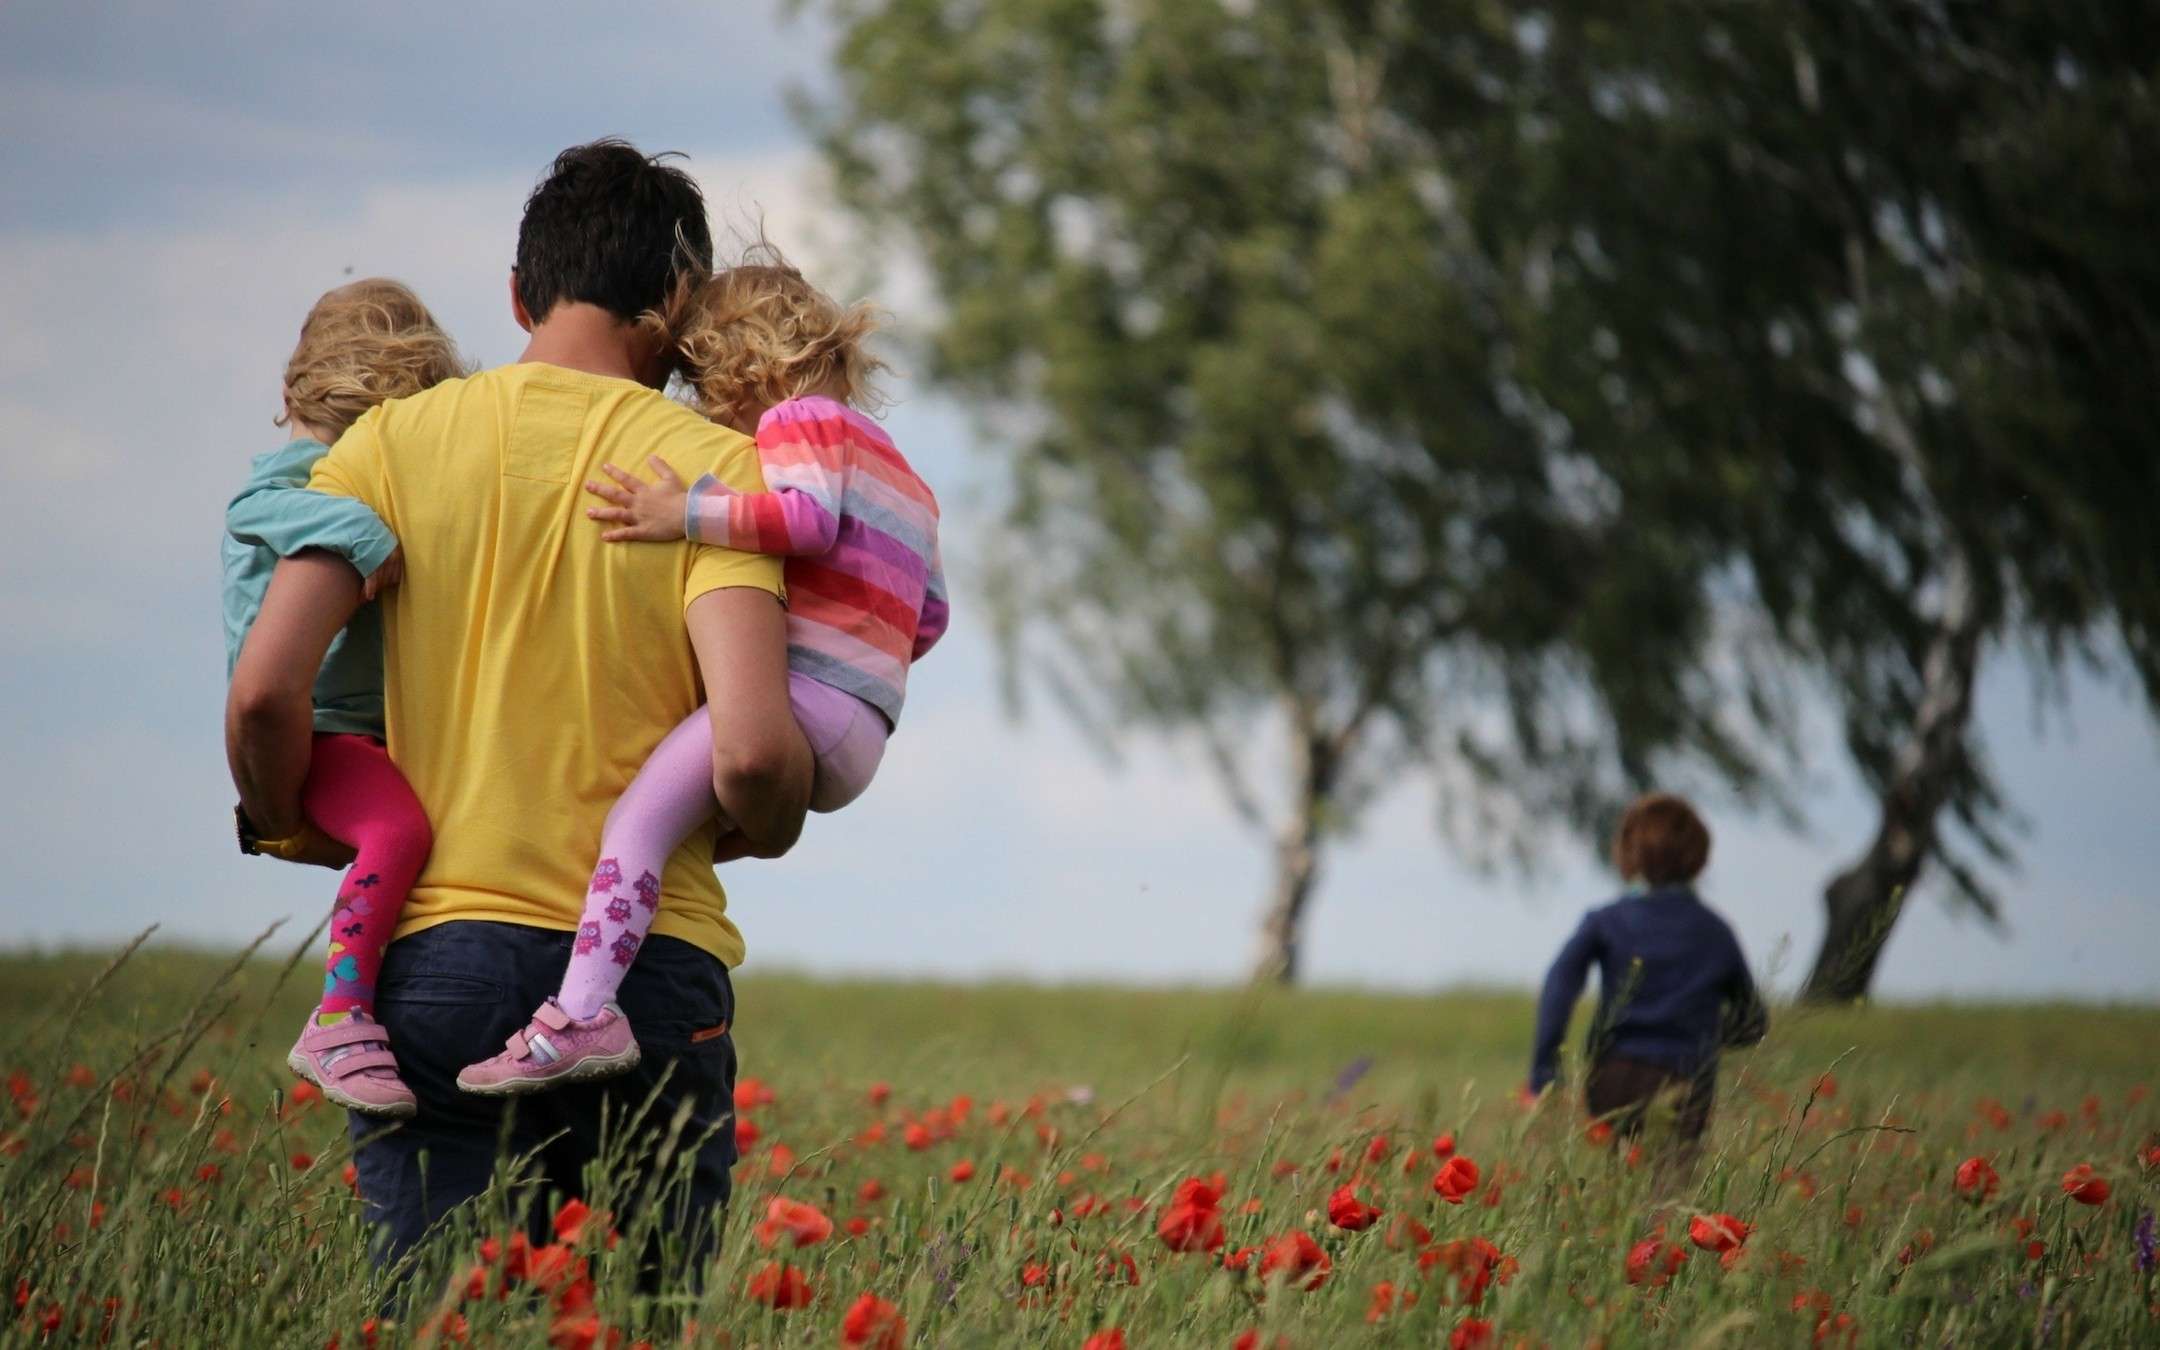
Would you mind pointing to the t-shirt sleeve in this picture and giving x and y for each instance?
(733, 461)
(354, 467)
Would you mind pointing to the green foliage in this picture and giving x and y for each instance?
(1278, 462)
(116, 1104)
(1532, 394)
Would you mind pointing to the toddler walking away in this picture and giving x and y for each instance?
(770, 356)
(360, 345)
(1673, 986)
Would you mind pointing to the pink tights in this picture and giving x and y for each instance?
(355, 795)
(673, 795)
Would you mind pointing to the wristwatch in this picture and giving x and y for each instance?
(250, 841)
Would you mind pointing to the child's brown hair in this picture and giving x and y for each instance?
(361, 344)
(1661, 841)
(758, 333)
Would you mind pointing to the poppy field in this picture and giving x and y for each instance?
(1094, 1167)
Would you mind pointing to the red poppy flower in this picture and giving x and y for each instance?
(747, 1133)
(1386, 1298)
(1192, 1221)
(751, 1092)
(873, 1323)
(1296, 1257)
(1349, 1213)
(780, 1286)
(801, 1224)
(1110, 1338)
(1654, 1262)
(1378, 1150)
(2081, 1185)
(1241, 1259)
(1473, 1264)
(1470, 1334)
(916, 1136)
(1600, 1132)
(554, 1268)
(1457, 1177)
(880, 1093)
(1115, 1266)
(858, 1226)
(304, 1093)
(1718, 1232)
(1443, 1146)
(1976, 1177)
(963, 1170)
(301, 1162)
(570, 1220)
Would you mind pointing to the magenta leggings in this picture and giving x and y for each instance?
(355, 795)
(672, 796)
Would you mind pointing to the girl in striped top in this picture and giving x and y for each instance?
(771, 356)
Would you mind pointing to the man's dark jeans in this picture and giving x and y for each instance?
(452, 994)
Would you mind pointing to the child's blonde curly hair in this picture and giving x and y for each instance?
(361, 344)
(757, 333)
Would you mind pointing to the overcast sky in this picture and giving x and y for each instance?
(178, 183)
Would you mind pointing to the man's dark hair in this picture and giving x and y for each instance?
(610, 226)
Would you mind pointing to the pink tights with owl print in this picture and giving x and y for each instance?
(671, 797)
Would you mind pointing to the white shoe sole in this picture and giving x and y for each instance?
(586, 1070)
(337, 1096)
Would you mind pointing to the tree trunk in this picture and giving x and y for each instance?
(1864, 900)
(1297, 862)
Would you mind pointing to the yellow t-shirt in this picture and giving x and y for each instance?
(529, 667)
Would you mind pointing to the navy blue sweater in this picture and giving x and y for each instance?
(1673, 987)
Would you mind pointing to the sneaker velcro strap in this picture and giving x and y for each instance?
(348, 1065)
(552, 1016)
(351, 1031)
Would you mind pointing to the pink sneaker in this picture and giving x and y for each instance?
(555, 1048)
(352, 1064)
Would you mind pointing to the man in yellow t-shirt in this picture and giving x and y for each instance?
(530, 669)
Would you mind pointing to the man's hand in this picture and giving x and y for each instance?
(761, 763)
(270, 708)
(310, 845)
(384, 577)
(650, 511)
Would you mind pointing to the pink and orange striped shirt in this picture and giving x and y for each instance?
(866, 591)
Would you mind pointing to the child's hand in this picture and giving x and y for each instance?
(384, 577)
(652, 511)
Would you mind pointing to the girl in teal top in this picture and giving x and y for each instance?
(361, 344)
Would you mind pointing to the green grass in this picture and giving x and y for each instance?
(156, 1104)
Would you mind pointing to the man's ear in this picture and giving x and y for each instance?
(517, 306)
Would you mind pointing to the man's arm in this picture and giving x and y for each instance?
(761, 763)
(270, 708)
(286, 518)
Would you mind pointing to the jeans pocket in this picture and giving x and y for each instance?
(439, 988)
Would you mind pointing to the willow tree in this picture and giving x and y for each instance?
(1883, 271)
(1537, 400)
(1272, 482)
